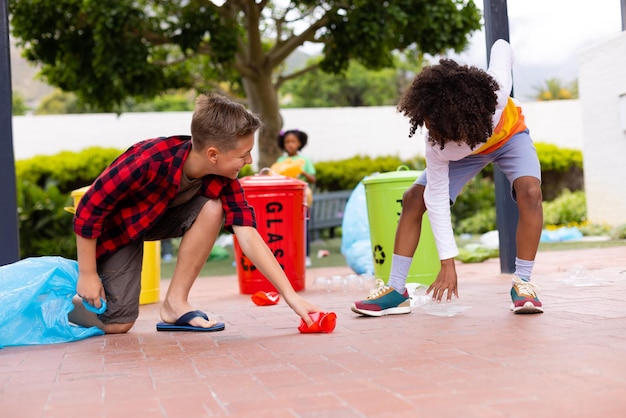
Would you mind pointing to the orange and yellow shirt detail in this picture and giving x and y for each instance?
(511, 122)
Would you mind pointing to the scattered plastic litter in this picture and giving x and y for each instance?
(445, 308)
(578, 276)
(323, 253)
(323, 322)
(262, 298)
(419, 299)
(418, 295)
(225, 240)
(490, 240)
(348, 283)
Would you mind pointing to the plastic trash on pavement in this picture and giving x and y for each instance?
(323, 322)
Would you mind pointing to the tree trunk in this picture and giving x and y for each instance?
(263, 100)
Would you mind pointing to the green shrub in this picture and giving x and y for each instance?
(45, 226)
(475, 199)
(68, 170)
(346, 174)
(588, 229)
(482, 221)
(45, 183)
(247, 170)
(44, 186)
(561, 168)
(569, 208)
(619, 232)
(477, 254)
(554, 158)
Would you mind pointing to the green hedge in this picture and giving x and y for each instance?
(44, 184)
(346, 174)
(68, 170)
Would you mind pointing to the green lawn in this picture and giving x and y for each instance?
(333, 246)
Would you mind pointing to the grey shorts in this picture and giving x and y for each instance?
(120, 271)
(516, 158)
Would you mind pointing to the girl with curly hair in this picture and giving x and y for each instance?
(471, 121)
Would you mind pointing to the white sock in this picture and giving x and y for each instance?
(523, 268)
(400, 266)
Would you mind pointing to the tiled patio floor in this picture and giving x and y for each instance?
(486, 362)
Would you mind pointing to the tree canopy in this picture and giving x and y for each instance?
(356, 86)
(108, 51)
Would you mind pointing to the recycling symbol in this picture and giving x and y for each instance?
(379, 255)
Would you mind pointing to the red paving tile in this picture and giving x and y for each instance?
(485, 362)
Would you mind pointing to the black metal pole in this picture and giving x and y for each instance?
(497, 27)
(9, 236)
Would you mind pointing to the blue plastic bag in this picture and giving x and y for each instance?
(561, 234)
(355, 229)
(35, 298)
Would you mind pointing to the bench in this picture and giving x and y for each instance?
(327, 212)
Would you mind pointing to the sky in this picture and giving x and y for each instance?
(547, 36)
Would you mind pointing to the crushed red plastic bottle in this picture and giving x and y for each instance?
(261, 298)
(323, 322)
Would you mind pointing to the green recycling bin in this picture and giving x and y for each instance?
(383, 194)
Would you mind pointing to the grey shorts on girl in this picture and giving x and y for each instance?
(516, 158)
(120, 271)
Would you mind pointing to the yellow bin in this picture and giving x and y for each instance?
(151, 263)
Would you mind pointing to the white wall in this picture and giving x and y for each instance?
(556, 122)
(334, 133)
(602, 79)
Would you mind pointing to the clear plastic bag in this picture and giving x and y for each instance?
(35, 299)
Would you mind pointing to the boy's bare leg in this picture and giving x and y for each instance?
(81, 316)
(528, 193)
(195, 248)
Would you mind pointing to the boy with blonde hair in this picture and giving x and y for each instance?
(160, 188)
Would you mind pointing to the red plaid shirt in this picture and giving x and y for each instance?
(135, 190)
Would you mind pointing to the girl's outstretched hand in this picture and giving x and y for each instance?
(446, 282)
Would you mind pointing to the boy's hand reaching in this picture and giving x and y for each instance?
(446, 282)
(301, 306)
(89, 288)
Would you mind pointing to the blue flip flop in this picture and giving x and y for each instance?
(182, 324)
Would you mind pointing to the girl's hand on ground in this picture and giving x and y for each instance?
(446, 282)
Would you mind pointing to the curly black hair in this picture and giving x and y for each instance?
(456, 102)
(302, 136)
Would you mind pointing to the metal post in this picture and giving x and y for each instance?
(623, 4)
(9, 236)
(497, 27)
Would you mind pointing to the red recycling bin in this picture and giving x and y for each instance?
(279, 203)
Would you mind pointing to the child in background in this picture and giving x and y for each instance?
(471, 122)
(292, 142)
(160, 188)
